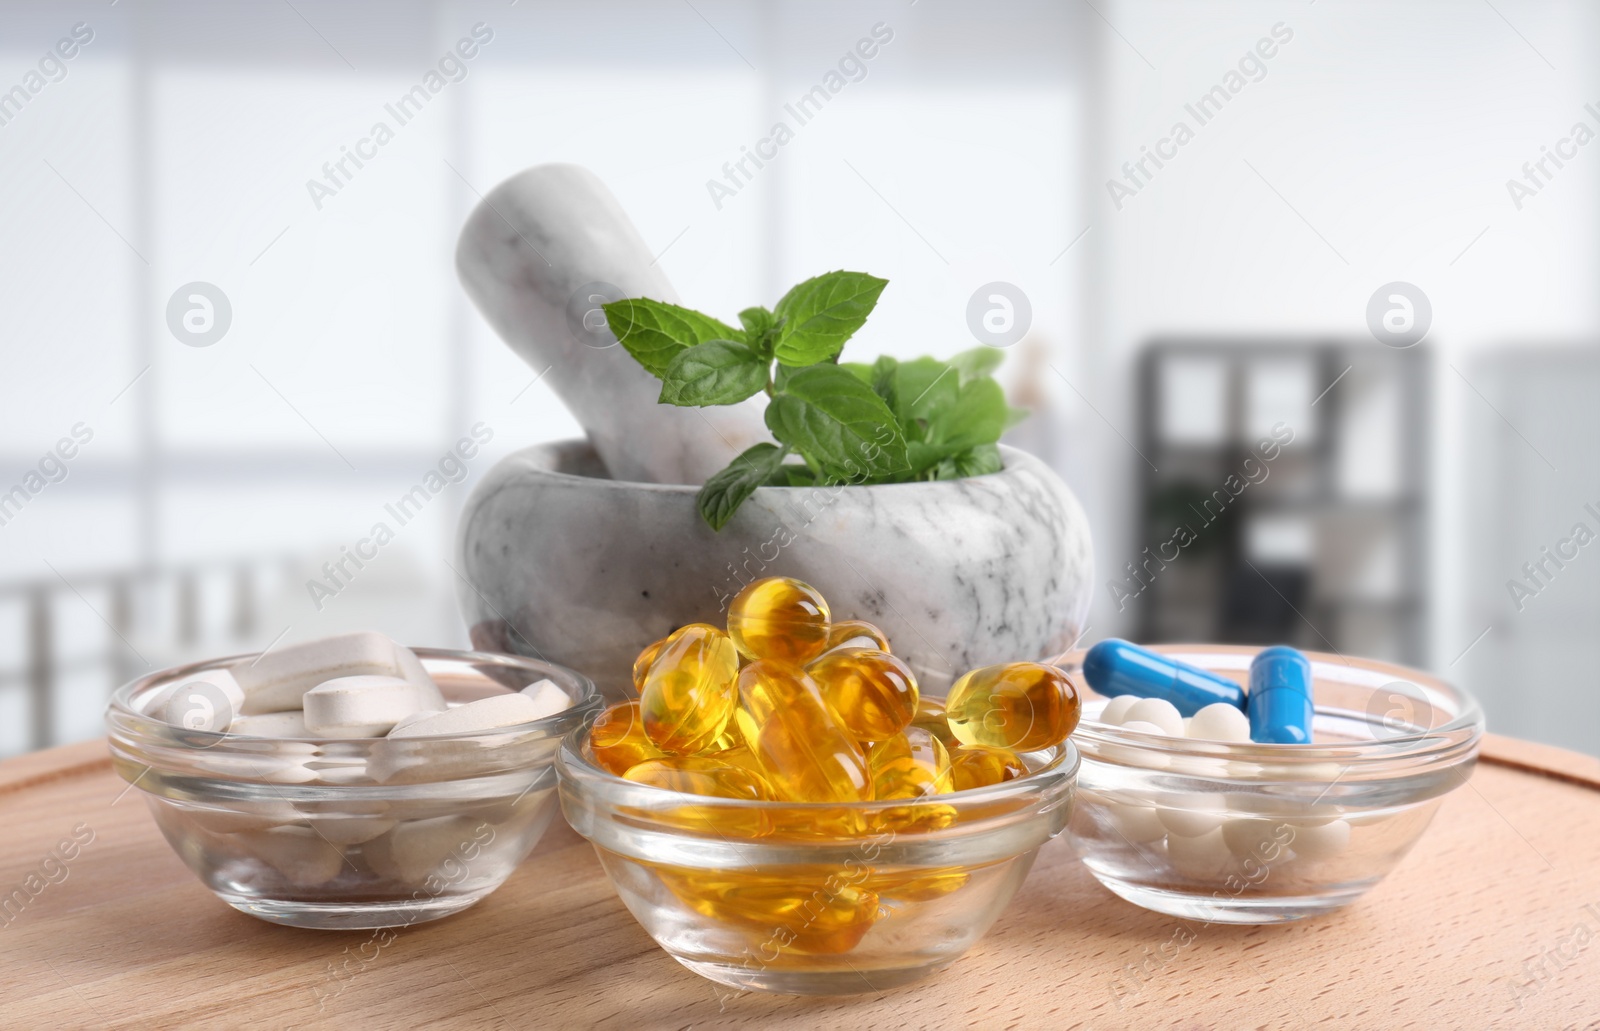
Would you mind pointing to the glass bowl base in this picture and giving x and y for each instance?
(844, 981)
(349, 916)
(1219, 908)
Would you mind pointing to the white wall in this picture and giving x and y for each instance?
(183, 137)
(976, 148)
(1390, 131)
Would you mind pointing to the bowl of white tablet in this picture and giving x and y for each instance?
(350, 782)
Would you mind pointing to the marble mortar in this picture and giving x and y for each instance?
(562, 563)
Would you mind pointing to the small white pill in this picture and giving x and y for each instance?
(1320, 840)
(272, 724)
(352, 830)
(1199, 858)
(298, 853)
(531, 810)
(416, 849)
(1262, 840)
(278, 679)
(1116, 710)
(1192, 815)
(1148, 758)
(1314, 771)
(341, 771)
(415, 717)
(365, 705)
(1220, 721)
(288, 773)
(205, 701)
(492, 713)
(548, 697)
(1136, 823)
(249, 816)
(1158, 711)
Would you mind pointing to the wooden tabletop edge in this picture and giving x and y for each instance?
(1546, 760)
(25, 771)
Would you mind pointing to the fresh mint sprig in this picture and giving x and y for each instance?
(889, 422)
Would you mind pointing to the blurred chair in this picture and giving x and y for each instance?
(134, 621)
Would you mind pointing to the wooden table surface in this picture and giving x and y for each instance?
(1493, 920)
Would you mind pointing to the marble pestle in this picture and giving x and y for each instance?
(538, 256)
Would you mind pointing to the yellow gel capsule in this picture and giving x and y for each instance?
(731, 738)
(713, 777)
(931, 717)
(691, 690)
(641, 665)
(744, 759)
(797, 742)
(815, 910)
(916, 885)
(849, 915)
(873, 693)
(647, 658)
(914, 817)
(855, 633)
(911, 764)
(808, 822)
(1020, 706)
(779, 618)
(618, 742)
(700, 775)
(973, 766)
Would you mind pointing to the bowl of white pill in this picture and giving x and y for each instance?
(350, 782)
(1190, 817)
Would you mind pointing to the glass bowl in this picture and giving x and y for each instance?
(816, 898)
(353, 833)
(1262, 833)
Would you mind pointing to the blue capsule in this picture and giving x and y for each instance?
(1280, 706)
(1116, 667)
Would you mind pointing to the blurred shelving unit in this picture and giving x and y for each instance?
(1283, 495)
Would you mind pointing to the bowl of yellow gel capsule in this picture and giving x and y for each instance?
(782, 810)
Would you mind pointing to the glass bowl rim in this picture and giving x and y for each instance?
(576, 773)
(1457, 738)
(132, 726)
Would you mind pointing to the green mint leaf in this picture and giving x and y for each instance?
(759, 325)
(654, 332)
(782, 375)
(977, 416)
(924, 457)
(717, 372)
(883, 375)
(822, 313)
(860, 370)
(977, 363)
(837, 424)
(731, 486)
(792, 475)
(755, 321)
(922, 389)
(979, 461)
